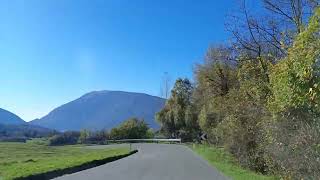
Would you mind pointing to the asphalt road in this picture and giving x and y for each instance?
(152, 162)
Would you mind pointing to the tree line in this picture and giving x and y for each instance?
(23, 132)
(259, 95)
(132, 128)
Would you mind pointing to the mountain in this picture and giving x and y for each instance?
(9, 131)
(13, 128)
(103, 110)
(7, 117)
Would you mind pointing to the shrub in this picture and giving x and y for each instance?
(241, 131)
(293, 149)
(66, 138)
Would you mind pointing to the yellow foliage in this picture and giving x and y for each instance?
(294, 81)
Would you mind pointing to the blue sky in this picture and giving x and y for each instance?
(53, 51)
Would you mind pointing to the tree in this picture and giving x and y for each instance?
(177, 116)
(66, 138)
(295, 81)
(218, 73)
(84, 135)
(294, 131)
(214, 80)
(271, 32)
(97, 137)
(131, 129)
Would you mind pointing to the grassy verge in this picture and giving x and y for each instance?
(226, 164)
(19, 160)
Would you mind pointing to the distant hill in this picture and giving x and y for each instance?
(13, 128)
(7, 117)
(23, 131)
(102, 110)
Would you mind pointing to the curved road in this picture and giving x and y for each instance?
(152, 162)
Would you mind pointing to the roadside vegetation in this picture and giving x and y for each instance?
(257, 96)
(23, 132)
(226, 163)
(132, 128)
(19, 160)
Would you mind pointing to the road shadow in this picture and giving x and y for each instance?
(71, 170)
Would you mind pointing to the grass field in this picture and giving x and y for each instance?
(24, 159)
(226, 164)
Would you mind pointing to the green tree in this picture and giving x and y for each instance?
(177, 118)
(66, 138)
(296, 80)
(131, 129)
(84, 135)
(214, 80)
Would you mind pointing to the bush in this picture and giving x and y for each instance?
(99, 137)
(66, 138)
(209, 118)
(241, 131)
(293, 149)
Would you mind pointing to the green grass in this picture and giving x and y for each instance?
(24, 159)
(39, 141)
(226, 164)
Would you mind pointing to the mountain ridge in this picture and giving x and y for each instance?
(12, 127)
(7, 117)
(102, 110)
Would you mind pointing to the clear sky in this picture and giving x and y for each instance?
(53, 51)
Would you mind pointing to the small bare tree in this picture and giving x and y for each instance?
(165, 86)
